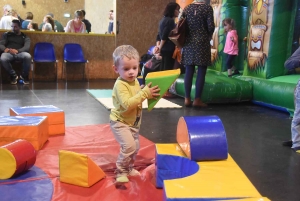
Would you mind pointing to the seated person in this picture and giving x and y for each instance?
(47, 27)
(6, 21)
(32, 26)
(76, 25)
(29, 18)
(292, 64)
(15, 47)
(57, 25)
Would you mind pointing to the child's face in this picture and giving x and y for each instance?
(127, 69)
(227, 27)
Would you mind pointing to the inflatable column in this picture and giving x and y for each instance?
(237, 10)
(270, 33)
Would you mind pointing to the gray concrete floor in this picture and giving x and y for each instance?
(254, 133)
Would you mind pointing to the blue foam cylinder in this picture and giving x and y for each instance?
(202, 138)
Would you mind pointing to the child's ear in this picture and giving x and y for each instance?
(115, 68)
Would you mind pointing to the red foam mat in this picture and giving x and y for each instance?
(97, 141)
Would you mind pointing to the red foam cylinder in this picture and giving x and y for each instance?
(15, 158)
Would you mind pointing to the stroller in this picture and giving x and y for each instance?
(152, 65)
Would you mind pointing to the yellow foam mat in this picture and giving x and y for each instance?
(215, 179)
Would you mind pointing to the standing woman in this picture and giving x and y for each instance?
(165, 46)
(76, 25)
(196, 49)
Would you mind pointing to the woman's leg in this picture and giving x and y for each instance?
(199, 86)
(188, 81)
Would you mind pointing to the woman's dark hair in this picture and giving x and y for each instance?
(170, 9)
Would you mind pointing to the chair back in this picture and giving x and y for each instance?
(44, 52)
(73, 53)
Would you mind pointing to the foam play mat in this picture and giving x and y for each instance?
(104, 97)
(42, 181)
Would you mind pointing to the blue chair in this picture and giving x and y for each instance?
(44, 53)
(73, 54)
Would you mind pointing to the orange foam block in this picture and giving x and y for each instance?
(78, 169)
(56, 116)
(32, 129)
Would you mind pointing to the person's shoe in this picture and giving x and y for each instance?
(134, 172)
(168, 95)
(187, 102)
(236, 72)
(25, 79)
(121, 178)
(13, 79)
(296, 149)
(198, 103)
(288, 143)
(229, 75)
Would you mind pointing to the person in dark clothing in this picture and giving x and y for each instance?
(87, 23)
(196, 49)
(15, 47)
(292, 64)
(165, 46)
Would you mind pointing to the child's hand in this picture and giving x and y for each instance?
(154, 90)
(231, 38)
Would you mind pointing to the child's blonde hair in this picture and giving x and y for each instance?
(125, 51)
(229, 21)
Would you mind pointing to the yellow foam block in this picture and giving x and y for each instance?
(56, 116)
(215, 179)
(78, 169)
(8, 164)
(32, 129)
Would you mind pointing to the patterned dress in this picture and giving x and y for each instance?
(200, 27)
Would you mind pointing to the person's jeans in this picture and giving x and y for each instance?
(110, 27)
(188, 80)
(24, 57)
(128, 138)
(295, 127)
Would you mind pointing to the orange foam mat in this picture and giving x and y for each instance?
(98, 143)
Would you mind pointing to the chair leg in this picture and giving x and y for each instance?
(87, 69)
(56, 71)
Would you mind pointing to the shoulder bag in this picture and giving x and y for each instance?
(177, 35)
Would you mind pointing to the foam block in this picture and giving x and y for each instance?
(15, 158)
(164, 79)
(78, 169)
(213, 180)
(202, 138)
(32, 129)
(56, 116)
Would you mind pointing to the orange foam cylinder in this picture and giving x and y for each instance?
(15, 158)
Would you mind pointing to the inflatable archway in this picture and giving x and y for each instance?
(266, 36)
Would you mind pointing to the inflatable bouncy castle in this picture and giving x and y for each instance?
(268, 35)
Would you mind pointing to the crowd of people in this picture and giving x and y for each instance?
(49, 24)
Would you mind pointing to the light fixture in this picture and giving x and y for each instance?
(67, 15)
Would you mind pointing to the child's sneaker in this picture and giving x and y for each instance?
(134, 172)
(121, 178)
(236, 72)
(296, 149)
